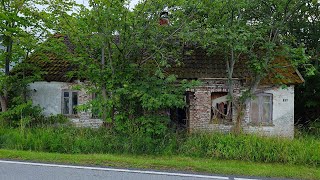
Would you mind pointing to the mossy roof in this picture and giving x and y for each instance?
(199, 65)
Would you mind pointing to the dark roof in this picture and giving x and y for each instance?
(198, 65)
(54, 65)
(195, 65)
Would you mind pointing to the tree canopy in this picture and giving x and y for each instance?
(123, 54)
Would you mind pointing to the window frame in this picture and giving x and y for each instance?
(71, 104)
(260, 120)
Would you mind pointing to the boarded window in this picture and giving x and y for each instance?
(261, 109)
(69, 102)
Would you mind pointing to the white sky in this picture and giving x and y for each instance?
(85, 2)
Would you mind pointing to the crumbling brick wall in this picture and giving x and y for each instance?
(200, 102)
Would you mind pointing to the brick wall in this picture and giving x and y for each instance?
(200, 102)
(282, 113)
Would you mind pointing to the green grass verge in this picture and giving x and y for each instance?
(170, 163)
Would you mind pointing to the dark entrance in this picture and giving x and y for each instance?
(179, 116)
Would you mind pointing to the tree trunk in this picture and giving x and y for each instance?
(4, 103)
(242, 104)
(112, 77)
(230, 68)
(4, 97)
(8, 55)
(232, 100)
(240, 113)
(103, 88)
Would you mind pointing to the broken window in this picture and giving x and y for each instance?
(221, 108)
(261, 109)
(69, 102)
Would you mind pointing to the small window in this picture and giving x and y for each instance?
(69, 102)
(261, 109)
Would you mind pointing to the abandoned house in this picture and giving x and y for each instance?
(270, 113)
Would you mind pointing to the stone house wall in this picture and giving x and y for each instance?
(282, 110)
(48, 95)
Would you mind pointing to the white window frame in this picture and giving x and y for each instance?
(71, 104)
(260, 121)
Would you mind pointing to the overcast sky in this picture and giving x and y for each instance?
(85, 2)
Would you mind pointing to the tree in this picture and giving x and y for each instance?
(304, 27)
(247, 32)
(122, 54)
(19, 31)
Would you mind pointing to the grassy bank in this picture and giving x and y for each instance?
(250, 148)
(171, 163)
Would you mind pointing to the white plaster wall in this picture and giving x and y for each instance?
(47, 95)
(282, 114)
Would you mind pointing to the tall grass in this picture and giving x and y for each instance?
(253, 148)
(80, 140)
(304, 150)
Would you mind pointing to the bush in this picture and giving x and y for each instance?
(21, 115)
(26, 115)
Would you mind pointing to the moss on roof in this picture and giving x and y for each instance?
(53, 59)
(198, 65)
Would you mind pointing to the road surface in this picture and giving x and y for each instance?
(17, 170)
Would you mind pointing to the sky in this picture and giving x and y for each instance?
(85, 2)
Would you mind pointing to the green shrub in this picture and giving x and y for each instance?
(25, 115)
(21, 115)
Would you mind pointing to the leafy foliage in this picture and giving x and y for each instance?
(248, 32)
(20, 30)
(305, 29)
(123, 55)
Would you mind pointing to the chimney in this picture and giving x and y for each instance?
(164, 20)
(116, 36)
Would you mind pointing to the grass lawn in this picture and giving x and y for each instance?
(170, 163)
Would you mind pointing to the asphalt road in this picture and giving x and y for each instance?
(13, 170)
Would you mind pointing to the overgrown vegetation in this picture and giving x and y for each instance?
(124, 53)
(25, 115)
(147, 140)
(124, 56)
